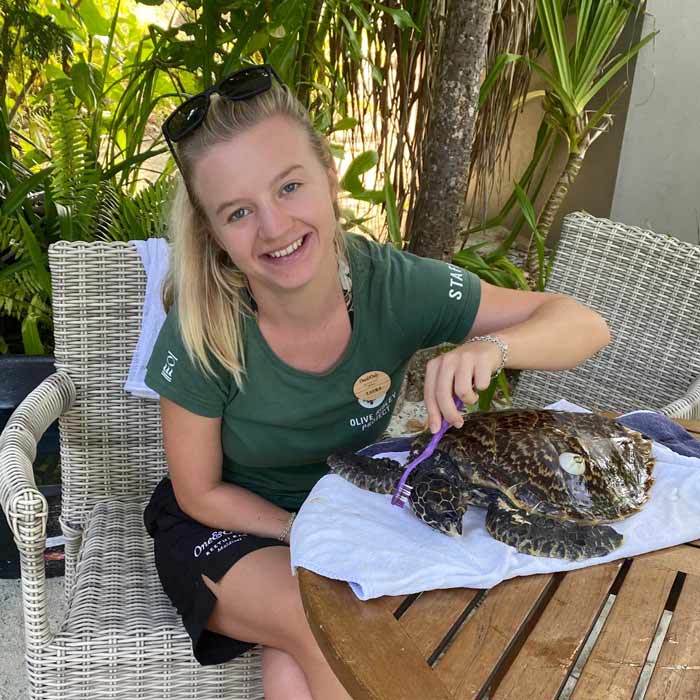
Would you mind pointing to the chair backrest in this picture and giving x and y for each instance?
(111, 441)
(647, 286)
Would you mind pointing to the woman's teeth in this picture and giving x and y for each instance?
(288, 250)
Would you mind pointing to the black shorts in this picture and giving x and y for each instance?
(184, 550)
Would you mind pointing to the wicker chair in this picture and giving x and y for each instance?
(647, 287)
(120, 637)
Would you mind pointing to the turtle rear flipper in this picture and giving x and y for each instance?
(534, 534)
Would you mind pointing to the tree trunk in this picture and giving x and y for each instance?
(561, 189)
(569, 174)
(443, 181)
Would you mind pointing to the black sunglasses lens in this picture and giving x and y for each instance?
(245, 83)
(186, 117)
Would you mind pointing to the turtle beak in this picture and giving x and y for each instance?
(454, 528)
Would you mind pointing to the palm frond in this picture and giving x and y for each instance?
(22, 295)
(141, 216)
(69, 146)
(10, 237)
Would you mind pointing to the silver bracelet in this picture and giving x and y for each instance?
(501, 346)
(287, 529)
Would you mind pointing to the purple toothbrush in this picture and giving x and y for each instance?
(403, 490)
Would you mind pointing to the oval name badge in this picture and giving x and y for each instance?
(371, 386)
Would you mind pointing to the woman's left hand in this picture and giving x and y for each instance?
(459, 372)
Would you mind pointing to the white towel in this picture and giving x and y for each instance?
(347, 533)
(155, 256)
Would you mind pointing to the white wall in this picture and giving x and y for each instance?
(658, 178)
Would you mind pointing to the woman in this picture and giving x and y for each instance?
(287, 340)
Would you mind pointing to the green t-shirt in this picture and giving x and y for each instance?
(278, 431)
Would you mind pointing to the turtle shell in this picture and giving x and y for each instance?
(575, 466)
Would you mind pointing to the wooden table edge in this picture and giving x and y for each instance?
(365, 670)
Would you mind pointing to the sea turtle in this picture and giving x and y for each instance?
(549, 479)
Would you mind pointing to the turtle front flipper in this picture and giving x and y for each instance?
(378, 475)
(534, 534)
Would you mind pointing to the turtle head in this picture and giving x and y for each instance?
(438, 502)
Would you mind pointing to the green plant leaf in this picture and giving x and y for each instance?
(526, 206)
(30, 336)
(344, 124)
(15, 268)
(601, 111)
(52, 72)
(486, 395)
(34, 157)
(338, 150)
(503, 384)
(94, 21)
(556, 87)
(516, 274)
(585, 99)
(38, 259)
(87, 83)
(360, 165)
(402, 19)
(19, 192)
(392, 215)
(371, 196)
(258, 41)
(552, 21)
(129, 163)
(360, 12)
(352, 37)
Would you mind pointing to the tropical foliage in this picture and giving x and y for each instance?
(575, 66)
(84, 87)
(79, 142)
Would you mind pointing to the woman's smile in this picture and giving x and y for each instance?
(289, 254)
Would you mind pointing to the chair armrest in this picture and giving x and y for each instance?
(687, 406)
(23, 504)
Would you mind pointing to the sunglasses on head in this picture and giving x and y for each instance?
(241, 85)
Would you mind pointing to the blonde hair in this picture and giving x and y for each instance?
(210, 291)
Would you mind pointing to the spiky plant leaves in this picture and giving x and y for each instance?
(82, 198)
(143, 215)
(69, 156)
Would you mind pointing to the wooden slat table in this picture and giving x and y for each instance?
(521, 640)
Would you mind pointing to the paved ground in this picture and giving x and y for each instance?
(13, 677)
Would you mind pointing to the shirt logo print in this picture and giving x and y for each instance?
(456, 280)
(168, 367)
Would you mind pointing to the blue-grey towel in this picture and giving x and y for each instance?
(662, 429)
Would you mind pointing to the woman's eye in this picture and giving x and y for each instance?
(291, 187)
(237, 215)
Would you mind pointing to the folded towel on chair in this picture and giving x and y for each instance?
(353, 535)
(155, 256)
